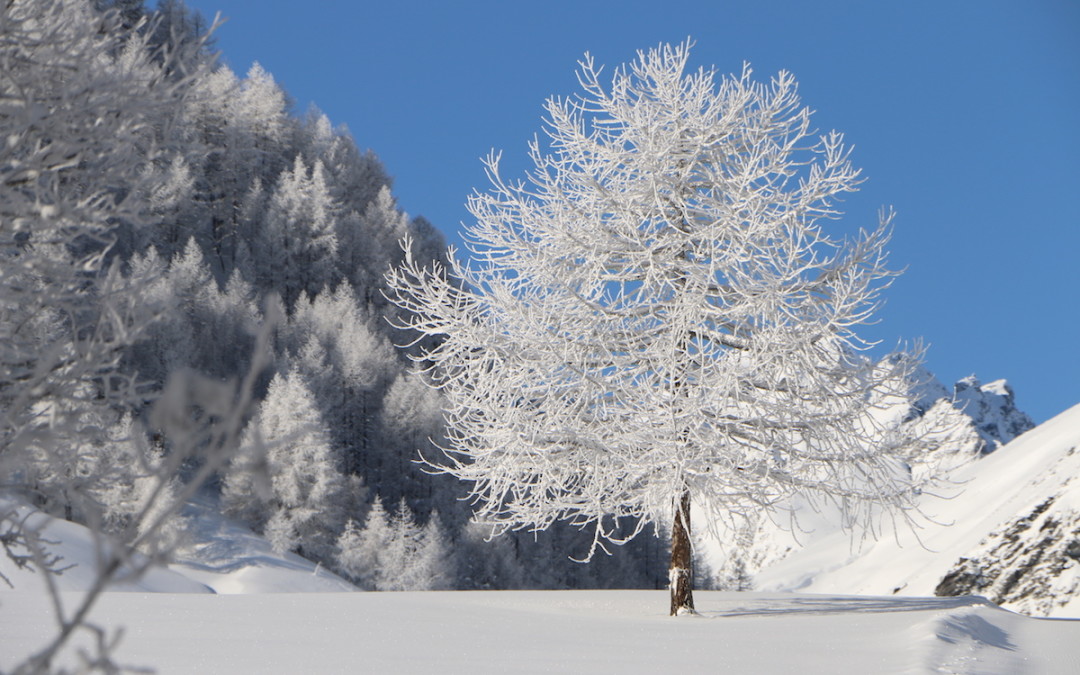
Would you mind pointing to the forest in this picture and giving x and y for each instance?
(160, 212)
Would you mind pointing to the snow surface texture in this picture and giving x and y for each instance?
(561, 631)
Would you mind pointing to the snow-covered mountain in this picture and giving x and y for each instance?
(990, 408)
(1008, 528)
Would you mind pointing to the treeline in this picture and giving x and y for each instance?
(220, 211)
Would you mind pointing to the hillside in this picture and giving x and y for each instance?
(1011, 533)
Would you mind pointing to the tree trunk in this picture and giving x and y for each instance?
(681, 569)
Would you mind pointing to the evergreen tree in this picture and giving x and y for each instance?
(431, 567)
(299, 245)
(349, 552)
(396, 558)
(374, 245)
(364, 561)
(301, 501)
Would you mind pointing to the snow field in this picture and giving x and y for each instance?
(559, 631)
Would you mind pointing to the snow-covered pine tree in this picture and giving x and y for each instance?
(396, 558)
(431, 565)
(349, 552)
(375, 244)
(288, 483)
(360, 555)
(298, 248)
(658, 316)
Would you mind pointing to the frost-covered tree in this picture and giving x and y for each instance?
(430, 568)
(397, 555)
(88, 109)
(83, 106)
(360, 551)
(298, 244)
(349, 552)
(288, 483)
(659, 316)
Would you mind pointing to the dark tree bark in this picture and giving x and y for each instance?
(681, 569)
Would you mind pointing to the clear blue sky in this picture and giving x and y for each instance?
(964, 117)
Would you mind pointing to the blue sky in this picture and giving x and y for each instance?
(963, 116)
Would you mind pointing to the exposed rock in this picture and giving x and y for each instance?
(992, 409)
(1030, 564)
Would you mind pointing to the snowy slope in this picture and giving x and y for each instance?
(218, 555)
(228, 557)
(1013, 535)
(561, 632)
(79, 550)
(266, 631)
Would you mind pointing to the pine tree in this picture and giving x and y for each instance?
(349, 552)
(301, 502)
(364, 561)
(431, 567)
(395, 559)
(298, 252)
(374, 245)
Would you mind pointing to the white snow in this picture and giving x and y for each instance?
(273, 628)
(229, 558)
(276, 623)
(559, 631)
(990, 492)
(220, 555)
(78, 551)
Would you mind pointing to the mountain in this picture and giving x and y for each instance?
(1007, 528)
(990, 407)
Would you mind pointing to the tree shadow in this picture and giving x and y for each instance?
(845, 604)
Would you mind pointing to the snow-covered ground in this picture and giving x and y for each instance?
(560, 632)
(276, 622)
(219, 555)
(230, 604)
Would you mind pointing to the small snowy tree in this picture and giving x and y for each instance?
(397, 555)
(658, 317)
(430, 568)
(360, 552)
(301, 509)
(349, 551)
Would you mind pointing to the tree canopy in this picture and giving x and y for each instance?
(659, 314)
